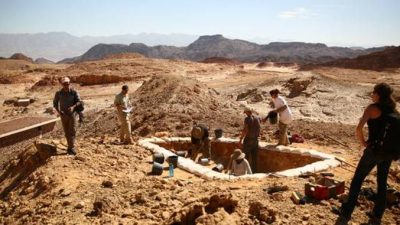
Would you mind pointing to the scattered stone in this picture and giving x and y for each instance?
(80, 205)
(305, 217)
(165, 215)
(107, 184)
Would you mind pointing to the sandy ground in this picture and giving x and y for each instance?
(108, 183)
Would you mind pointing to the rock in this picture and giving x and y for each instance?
(80, 205)
(165, 215)
(64, 192)
(305, 217)
(66, 203)
(263, 212)
(107, 184)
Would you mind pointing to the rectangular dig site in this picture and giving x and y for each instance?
(271, 159)
(17, 130)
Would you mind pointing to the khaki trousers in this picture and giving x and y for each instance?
(283, 138)
(68, 123)
(125, 131)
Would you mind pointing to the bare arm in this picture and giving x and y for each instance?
(359, 130)
(244, 133)
(248, 169)
(280, 109)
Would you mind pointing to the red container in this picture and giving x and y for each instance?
(324, 188)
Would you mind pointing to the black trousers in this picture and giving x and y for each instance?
(250, 148)
(367, 162)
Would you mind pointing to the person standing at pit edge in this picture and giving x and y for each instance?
(285, 115)
(374, 116)
(250, 133)
(65, 101)
(124, 108)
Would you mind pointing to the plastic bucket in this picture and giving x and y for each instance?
(157, 169)
(272, 117)
(218, 133)
(158, 158)
(204, 161)
(174, 160)
(218, 168)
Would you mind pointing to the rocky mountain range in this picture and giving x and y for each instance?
(218, 46)
(56, 46)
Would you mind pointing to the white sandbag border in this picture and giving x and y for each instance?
(327, 160)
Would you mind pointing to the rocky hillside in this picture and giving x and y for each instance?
(219, 46)
(378, 61)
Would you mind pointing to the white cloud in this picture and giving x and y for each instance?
(295, 13)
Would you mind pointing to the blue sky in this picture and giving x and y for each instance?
(335, 22)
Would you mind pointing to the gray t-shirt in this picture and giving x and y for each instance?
(252, 123)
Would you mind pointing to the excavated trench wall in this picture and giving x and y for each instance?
(269, 158)
(277, 160)
(17, 130)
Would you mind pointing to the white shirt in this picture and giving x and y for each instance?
(285, 116)
(241, 168)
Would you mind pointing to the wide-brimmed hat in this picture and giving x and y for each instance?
(197, 132)
(238, 154)
(65, 80)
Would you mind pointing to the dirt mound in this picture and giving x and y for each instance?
(23, 166)
(173, 103)
(91, 79)
(252, 95)
(221, 60)
(297, 85)
(264, 64)
(86, 79)
(131, 55)
(20, 56)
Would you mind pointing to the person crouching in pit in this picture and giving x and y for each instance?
(238, 165)
(200, 142)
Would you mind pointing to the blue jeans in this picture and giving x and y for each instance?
(250, 148)
(367, 162)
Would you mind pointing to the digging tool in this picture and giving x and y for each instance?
(342, 161)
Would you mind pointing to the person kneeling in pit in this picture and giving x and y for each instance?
(200, 142)
(238, 164)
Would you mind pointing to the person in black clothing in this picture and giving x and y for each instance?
(249, 138)
(200, 142)
(383, 103)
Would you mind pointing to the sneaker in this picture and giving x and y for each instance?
(71, 151)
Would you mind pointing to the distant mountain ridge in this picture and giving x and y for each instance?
(381, 60)
(210, 46)
(56, 46)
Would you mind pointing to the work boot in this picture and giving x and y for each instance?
(373, 219)
(71, 151)
(342, 215)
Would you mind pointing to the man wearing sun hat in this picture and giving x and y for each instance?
(238, 164)
(65, 101)
(200, 142)
(249, 137)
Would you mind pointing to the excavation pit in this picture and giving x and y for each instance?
(272, 160)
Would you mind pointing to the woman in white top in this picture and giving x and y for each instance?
(239, 165)
(285, 115)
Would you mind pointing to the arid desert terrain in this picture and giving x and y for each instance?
(108, 183)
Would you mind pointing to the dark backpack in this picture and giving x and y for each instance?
(389, 143)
